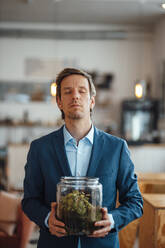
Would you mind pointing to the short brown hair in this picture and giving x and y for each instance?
(73, 71)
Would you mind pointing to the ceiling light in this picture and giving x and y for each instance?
(53, 89)
(138, 91)
(163, 5)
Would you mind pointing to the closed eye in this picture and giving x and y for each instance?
(67, 91)
(82, 90)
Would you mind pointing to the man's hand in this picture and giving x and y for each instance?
(104, 223)
(56, 227)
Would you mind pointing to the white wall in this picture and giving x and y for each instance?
(141, 157)
(159, 53)
(129, 60)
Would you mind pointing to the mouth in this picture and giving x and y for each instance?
(74, 105)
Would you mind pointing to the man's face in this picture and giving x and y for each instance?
(75, 97)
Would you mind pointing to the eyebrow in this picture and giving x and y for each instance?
(66, 88)
(69, 87)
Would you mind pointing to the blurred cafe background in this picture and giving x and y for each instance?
(121, 43)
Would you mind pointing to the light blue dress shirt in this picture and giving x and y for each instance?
(78, 156)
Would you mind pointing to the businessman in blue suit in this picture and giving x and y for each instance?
(79, 149)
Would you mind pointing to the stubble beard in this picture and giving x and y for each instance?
(75, 116)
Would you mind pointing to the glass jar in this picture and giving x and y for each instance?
(79, 201)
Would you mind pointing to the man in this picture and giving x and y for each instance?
(79, 149)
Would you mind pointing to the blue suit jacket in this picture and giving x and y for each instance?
(110, 161)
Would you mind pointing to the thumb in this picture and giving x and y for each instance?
(53, 206)
(104, 213)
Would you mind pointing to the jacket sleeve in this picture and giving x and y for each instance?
(130, 199)
(33, 202)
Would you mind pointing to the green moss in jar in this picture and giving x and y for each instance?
(78, 214)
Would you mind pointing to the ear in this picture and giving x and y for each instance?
(92, 104)
(59, 103)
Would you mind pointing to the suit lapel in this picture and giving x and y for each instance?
(96, 153)
(58, 142)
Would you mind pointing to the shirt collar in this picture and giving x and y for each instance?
(68, 136)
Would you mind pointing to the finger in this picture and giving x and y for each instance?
(102, 231)
(58, 234)
(58, 223)
(104, 217)
(57, 231)
(60, 230)
(103, 223)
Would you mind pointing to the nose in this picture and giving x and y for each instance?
(75, 94)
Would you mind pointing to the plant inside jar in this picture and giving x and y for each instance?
(78, 214)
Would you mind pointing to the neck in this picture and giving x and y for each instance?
(78, 128)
